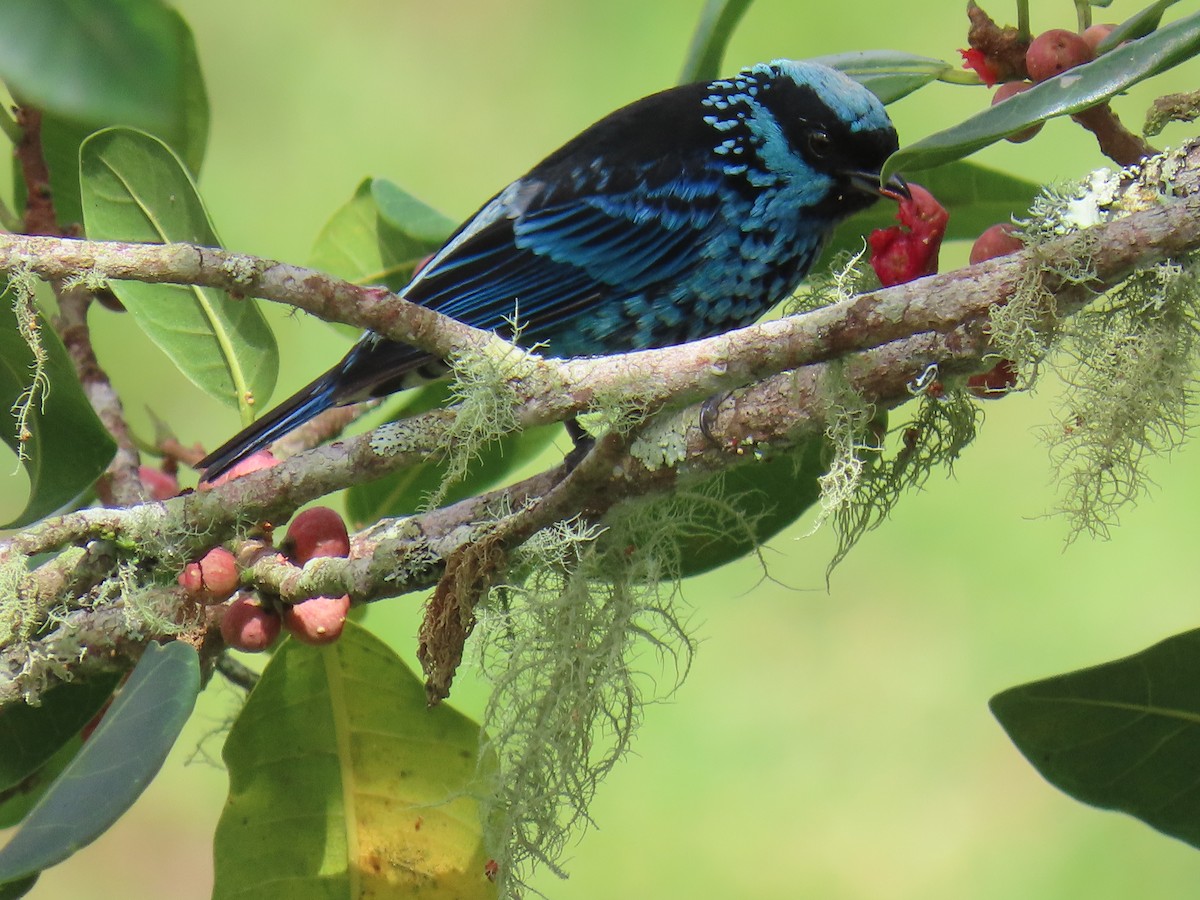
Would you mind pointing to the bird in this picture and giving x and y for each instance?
(687, 213)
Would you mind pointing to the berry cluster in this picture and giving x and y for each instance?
(1051, 53)
(251, 623)
(996, 54)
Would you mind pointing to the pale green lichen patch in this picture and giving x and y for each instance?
(18, 606)
(394, 438)
(867, 475)
(89, 280)
(242, 270)
(21, 285)
(1127, 360)
(846, 277)
(662, 443)
(485, 404)
(1129, 392)
(585, 634)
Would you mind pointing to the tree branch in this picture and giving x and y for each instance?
(877, 342)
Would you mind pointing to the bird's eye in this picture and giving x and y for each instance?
(819, 144)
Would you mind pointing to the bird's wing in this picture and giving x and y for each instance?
(548, 248)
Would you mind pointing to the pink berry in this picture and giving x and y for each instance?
(1011, 89)
(247, 625)
(158, 484)
(263, 459)
(319, 620)
(1055, 51)
(213, 579)
(318, 531)
(1094, 35)
(998, 240)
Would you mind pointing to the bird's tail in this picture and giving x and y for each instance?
(310, 401)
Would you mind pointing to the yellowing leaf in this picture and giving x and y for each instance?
(343, 783)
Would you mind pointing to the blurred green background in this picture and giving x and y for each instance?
(827, 744)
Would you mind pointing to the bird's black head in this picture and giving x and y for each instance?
(816, 126)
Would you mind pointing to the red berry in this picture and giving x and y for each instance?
(977, 61)
(998, 240)
(1056, 51)
(158, 484)
(910, 250)
(319, 620)
(247, 625)
(318, 531)
(263, 459)
(1011, 89)
(213, 579)
(994, 383)
(1094, 35)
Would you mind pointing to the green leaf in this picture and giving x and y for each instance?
(889, 74)
(1070, 92)
(1124, 735)
(1136, 26)
(732, 514)
(412, 221)
(61, 139)
(115, 764)
(379, 236)
(19, 888)
(18, 800)
(716, 26)
(135, 189)
(30, 735)
(121, 62)
(343, 783)
(68, 447)
(976, 196)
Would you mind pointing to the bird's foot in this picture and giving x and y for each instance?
(583, 443)
(710, 411)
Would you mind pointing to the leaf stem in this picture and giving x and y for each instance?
(1083, 13)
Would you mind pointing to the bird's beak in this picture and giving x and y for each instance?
(896, 188)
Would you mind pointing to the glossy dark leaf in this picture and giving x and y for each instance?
(19, 888)
(344, 783)
(115, 764)
(716, 27)
(1072, 91)
(736, 512)
(1136, 26)
(18, 800)
(1124, 735)
(30, 735)
(135, 189)
(67, 448)
(889, 74)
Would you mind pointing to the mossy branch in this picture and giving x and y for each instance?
(879, 342)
